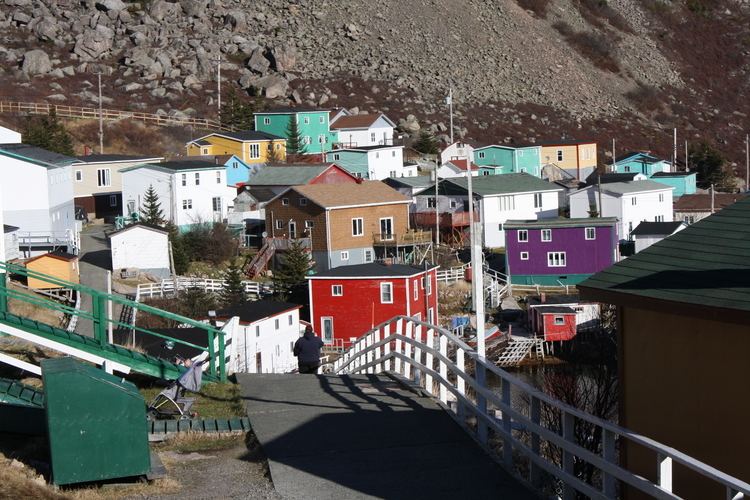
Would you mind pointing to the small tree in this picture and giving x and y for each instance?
(48, 133)
(289, 278)
(196, 302)
(236, 113)
(233, 291)
(709, 165)
(294, 144)
(426, 143)
(180, 254)
(151, 212)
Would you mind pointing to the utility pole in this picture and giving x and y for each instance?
(674, 151)
(449, 101)
(437, 210)
(687, 158)
(218, 85)
(599, 190)
(712, 198)
(613, 155)
(101, 117)
(747, 162)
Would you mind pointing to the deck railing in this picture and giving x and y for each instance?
(445, 219)
(413, 237)
(514, 414)
(168, 287)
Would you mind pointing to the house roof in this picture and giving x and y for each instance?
(177, 166)
(555, 309)
(373, 270)
(292, 175)
(418, 181)
(564, 142)
(704, 267)
(656, 228)
(610, 177)
(285, 110)
(116, 158)
(156, 346)
(536, 301)
(632, 154)
(35, 155)
(367, 148)
(9, 229)
(260, 194)
(622, 188)
(673, 174)
(60, 255)
(506, 146)
(242, 135)
(462, 165)
(560, 222)
(702, 202)
(256, 310)
(142, 225)
(351, 195)
(359, 121)
(493, 185)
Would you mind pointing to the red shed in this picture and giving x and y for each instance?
(347, 301)
(555, 322)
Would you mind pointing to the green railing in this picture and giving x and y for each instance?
(98, 315)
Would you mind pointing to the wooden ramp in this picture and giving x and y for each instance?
(518, 349)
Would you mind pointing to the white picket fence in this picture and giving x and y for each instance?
(451, 274)
(168, 287)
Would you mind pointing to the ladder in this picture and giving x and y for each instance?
(518, 349)
(260, 260)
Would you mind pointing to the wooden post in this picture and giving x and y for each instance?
(443, 369)
(568, 427)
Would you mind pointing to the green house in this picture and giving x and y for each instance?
(313, 126)
(496, 160)
(682, 182)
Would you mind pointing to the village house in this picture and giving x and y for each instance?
(497, 200)
(373, 162)
(363, 130)
(694, 207)
(410, 186)
(683, 309)
(588, 313)
(554, 323)
(498, 159)
(647, 233)
(312, 124)
(347, 222)
(250, 146)
(190, 192)
(346, 302)
(238, 172)
(46, 211)
(457, 168)
(597, 177)
(456, 151)
(556, 252)
(57, 264)
(142, 247)
(577, 158)
(97, 182)
(631, 202)
(9, 136)
(642, 162)
(682, 182)
(279, 178)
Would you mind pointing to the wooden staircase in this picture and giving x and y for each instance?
(260, 260)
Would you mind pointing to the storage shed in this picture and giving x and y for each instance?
(141, 246)
(57, 264)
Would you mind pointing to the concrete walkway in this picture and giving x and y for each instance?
(363, 436)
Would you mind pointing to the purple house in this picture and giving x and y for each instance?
(554, 252)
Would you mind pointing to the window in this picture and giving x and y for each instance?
(235, 165)
(627, 169)
(633, 200)
(546, 235)
(279, 224)
(377, 154)
(257, 330)
(368, 256)
(197, 178)
(113, 200)
(689, 219)
(590, 233)
(276, 323)
(386, 293)
(523, 235)
(79, 175)
(507, 202)
(559, 320)
(520, 152)
(357, 229)
(291, 320)
(661, 196)
(559, 155)
(429, 285)
(184, 179)
(372, 137)
(453, 203)
(423, 280)
(322, 139)
(555, 259)
(336, 157)
(337, 290)
(218, 177)
(306, 120)
(393, 153)
(205, 151)
(102, 177)
(431, 202)
(392, 173)
(326, 324)
(524, 255)
(430, 316)
(386, 228)
(306, 140)
(216, 203)
(309, 224)
(303, 202)
(321, 119)
(344, 255)
(254, 151)
(285, 201)
(187, 204)
(659, 218)
(537, 200)
(266, 121)
(481, 155)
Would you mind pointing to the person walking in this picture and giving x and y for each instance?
(307, 350)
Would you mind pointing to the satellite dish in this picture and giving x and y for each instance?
(265, 234)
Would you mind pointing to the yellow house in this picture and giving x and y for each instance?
(250, 146)
(60, 265)
(576, 157)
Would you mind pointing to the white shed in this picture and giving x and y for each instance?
(11, 243)
(141, 246)
(648, 233)
(9, 136)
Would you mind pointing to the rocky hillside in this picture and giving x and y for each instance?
(521, 70)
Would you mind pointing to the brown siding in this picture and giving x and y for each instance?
(299, 214)
(341, 224)
(684, 383)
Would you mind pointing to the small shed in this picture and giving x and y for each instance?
(555, 323)
(12, 251)
(60, 265)
(141, 246)
(648, 233)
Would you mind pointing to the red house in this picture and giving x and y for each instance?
(347, 301)
(554, 323)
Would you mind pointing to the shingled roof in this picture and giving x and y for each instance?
(704, 266)
(351, 195)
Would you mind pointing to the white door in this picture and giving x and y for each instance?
(326, 326)
(292, 229)
(386, 228)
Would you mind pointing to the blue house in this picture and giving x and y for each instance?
(640, 162)
(682, 182)
(496, 160)
(237, 170)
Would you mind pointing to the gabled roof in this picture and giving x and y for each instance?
(704, 266)
(702, 202)
(367, 193)
(560, 222)
(493, 185)
(35, 155)
(141, 225)
(57, 254)
(462, 165)
(116, 158)
(286, 110)
(291, 175)
(419, 181)
(555, 309)
(373, 270)
(366, 148)
(506, 146)
(242, 136)
(673, 174)
(359, 121)
(656, 228)
(177, 166)
(632, 154)
(256, 310)
(9, 229)
(260, 194)
(631, 187)
(610, 177)
(564, 142)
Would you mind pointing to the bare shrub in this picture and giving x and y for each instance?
(595, 47)
(538, 7)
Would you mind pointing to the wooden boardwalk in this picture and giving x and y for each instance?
(364, 436)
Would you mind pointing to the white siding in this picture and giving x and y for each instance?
(8, 136)
(136, 182)
(89, 183)
(141, 248)
(364, 137)
(383, 163)
(457, 151)
(493, 214)
(274, 346)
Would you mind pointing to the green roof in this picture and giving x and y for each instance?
(560, 222)
(707, 264)
(286, 176)
(415, 181)
(492, 185)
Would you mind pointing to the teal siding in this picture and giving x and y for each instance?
(355, 162)
(507, 160)
(316, 127)
(528, 160)
(683, 184)
(547, 280)
(496, 156)
(490, 170)
(637, 165)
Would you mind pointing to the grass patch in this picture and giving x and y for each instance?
(216, 400)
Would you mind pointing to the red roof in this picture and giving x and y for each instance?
(461, 164)
(355, 121)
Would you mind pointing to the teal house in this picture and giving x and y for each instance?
(495, 160)
(682, 182)
(313, 125)
(642, 163)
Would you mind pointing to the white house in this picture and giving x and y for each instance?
(190, 192)
(373, 162)
(631, 202)
(142, 247)
(456, 168)
(648, 233)
(264, 341)
(498, 198)
(456, 151)
(8, 136)
(363, 130)
(11, 251)
(37, 192)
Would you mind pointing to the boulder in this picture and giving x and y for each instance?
(161, 9)
(111, 5)
(36, 62)
(91, 44)
(284, 57)
(273, 86)
(46, 29)
(194, 8)
(258, 62)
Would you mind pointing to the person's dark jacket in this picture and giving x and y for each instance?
(307, 348)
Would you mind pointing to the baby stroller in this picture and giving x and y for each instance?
(171, 402)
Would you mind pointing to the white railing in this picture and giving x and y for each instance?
(168, 287)
(533, 444)
(74, 317)
(451, 274)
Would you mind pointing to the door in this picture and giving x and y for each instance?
(326, 326)
(258, 363)
(216, 202)
(292, 229)
(386, 228)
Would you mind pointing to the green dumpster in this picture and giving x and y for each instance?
(96, 423)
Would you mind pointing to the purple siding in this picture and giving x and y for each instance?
(582, 256)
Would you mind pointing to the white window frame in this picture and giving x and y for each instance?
(279, 224)
(634, 201)
(481, 155)
(79, 175)
(197, 178)
(525, 234)
(306, 120)
(416, 289)
(216, 204)
(291, 320)
(323, 320)
(429, 284)
(187, 204)
(337, 290)
(537, 200)
(285, 201)
(183, 179)
(218, 177)
(257, 331)
(205, 151)
(321, 119)
(309, 224)
(358, 229)
(266, 121)
(559, 320)
(368, 257)
(547, 233)
(254, 151)
(386, 288)
(661, 196)
(344, 255)
(276, 324)
(556, 259)
(103, 177)
(592, 230)
(336, 157)
(524, 256)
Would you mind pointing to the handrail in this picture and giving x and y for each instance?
(403, 352)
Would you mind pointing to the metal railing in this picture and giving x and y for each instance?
(515, 414)
(168, 287)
